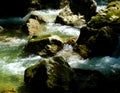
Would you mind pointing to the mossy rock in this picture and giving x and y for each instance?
(53, 75)
(96, 42)
(45, 45)
(108, 17)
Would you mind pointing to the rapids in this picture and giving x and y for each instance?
(13, 63)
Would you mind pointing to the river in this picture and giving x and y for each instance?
(13, 63)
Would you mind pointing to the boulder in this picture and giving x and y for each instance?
(100, 36)
(89, 81)
(34, 26)
(96, 42)
(44, 45)
(108, 17)
(84, 7)
(51, 75)
(66, 17)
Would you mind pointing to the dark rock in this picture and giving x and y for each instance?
(49, 76)
(89, 81)
(96, 42)
(48, 4)
(84, 7)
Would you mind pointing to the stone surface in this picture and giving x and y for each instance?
(45, 45)
(51, 75)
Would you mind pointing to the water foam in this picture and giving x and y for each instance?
(18, 66)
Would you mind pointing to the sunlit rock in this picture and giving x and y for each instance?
(35, 25)
(66, 17)
(45, 45)
(51, 75)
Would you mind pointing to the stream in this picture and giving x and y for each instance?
(13, 63)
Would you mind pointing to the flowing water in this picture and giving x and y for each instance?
(13, 63)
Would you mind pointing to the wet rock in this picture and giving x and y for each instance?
(45, 45)
(51, 75)
(89, 81)
(66, 17)
(100, 36)
(108, 17)
(84, 7)
(96, 42)
(34, 27)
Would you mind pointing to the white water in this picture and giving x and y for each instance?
(12, 63)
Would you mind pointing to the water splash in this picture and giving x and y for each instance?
(18, 66)
(63, 29)
(49, 15)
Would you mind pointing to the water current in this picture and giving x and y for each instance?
(13, 64)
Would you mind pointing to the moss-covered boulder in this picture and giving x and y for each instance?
(108, 17)
(100, 36)
(51, 75)
(45, 45)
(96, 42)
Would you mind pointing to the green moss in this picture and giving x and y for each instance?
(114, 4)
(105, 18)
(38, 38)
